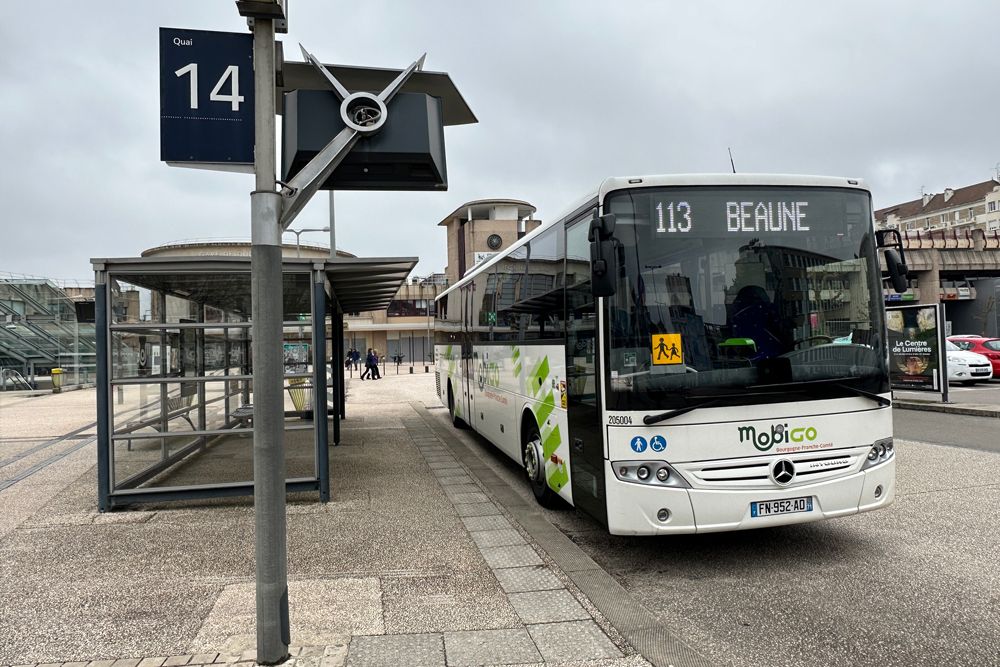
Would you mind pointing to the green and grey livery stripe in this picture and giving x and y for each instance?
(556, 475)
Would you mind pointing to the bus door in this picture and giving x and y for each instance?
(586, 430)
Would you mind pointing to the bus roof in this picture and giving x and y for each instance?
(667, 180)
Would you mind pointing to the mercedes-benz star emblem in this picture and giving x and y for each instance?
(782, 472)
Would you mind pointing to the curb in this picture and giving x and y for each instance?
(950, 408)
(640, 627)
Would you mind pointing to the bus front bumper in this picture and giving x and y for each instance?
(635, 509)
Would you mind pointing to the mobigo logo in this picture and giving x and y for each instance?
(779, 434)
(489, 374)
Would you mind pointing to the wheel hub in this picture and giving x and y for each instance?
(532, 460)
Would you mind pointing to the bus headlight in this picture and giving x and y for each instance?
(641, 472)
(881, 451)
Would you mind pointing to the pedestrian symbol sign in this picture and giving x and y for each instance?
(667, 349)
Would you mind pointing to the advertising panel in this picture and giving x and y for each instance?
(916, 345)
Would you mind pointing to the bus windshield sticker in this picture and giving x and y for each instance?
(666, 349)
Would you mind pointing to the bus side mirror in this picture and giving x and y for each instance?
(603, 255)
(892, 242)
(897, 271)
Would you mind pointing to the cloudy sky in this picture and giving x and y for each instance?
(905, 94)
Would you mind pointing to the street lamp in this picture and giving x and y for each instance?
(298, 232)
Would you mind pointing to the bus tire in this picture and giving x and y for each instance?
(455, 419)
(534, 464)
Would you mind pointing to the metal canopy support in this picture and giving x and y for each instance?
(319, 384)
(101, 329)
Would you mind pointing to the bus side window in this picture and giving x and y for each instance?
(541, 294)
(581, 318)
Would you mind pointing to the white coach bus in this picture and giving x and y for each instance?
(686, 353)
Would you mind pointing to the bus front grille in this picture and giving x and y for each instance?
(755, 472)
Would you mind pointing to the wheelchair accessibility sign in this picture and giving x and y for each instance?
(657, 443)
(666, 349)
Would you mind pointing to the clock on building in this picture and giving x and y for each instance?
(494, 241)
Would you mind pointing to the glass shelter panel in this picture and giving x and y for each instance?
(180, 368)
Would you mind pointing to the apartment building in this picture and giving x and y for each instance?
(963, 209)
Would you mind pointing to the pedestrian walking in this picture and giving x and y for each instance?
(376, 374)
(368, 365)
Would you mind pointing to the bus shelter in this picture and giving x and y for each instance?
(175, 411)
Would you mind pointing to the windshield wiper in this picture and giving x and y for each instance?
(670, 414)
(833, 382)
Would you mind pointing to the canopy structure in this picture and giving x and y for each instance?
(175, 370)
(367, 283)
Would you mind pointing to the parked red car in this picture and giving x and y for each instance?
(988, 347)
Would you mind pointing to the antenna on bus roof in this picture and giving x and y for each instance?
(731, 159)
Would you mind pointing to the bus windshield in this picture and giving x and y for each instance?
(743, 295)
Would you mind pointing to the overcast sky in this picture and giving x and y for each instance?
(903, 94)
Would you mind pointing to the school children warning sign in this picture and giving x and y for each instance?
(667, 349)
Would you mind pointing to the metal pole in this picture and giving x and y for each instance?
(103, 393)
(268, 433)
(320, 422)
(333, 229)
(336, 375)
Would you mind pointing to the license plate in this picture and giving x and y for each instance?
(980, 371)
(785, 506)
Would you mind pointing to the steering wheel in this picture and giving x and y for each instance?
(825, 339)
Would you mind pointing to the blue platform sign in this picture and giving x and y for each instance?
(206, 99)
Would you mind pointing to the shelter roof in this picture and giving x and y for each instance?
(358, 283)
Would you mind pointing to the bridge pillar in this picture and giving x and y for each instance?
(929, 280)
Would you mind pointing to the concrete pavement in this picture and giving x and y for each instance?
(412, 563)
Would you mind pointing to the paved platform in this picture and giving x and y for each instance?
(414, 562)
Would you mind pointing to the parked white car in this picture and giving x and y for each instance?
(967, 367)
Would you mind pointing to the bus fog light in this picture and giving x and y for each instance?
(662, 474)
(878, 491)
(642, 472)
(663, 514)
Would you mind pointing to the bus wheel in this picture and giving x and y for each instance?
(455, 419)
(534, 466)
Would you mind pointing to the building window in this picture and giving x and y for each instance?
(409, 308)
